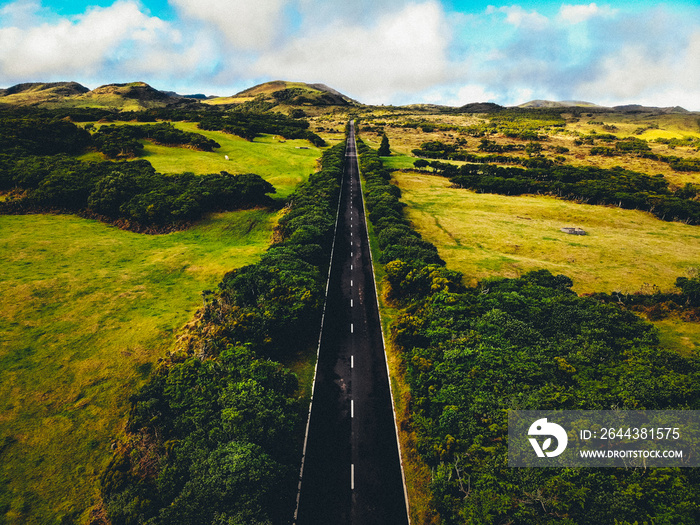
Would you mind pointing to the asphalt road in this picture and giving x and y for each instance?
(351, 472)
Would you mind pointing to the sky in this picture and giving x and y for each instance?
(450, 52)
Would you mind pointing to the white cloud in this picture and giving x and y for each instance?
(455, 95)
(648, 55)
(469, 93)
(116, 40)
(394, 51)
(20, 14)
(519, 17)
(635, 74)
(402, 52)
(245, 24)
(575, 14)
(474, 93)
(317, 13)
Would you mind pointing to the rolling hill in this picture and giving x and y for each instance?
(38, 93)
(558, 104)
(289, 93)
(629, 108)
(136, 96)
(130, 96)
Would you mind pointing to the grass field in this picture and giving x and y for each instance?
(486, 235)
(678, 335)
(404, 140)
(281, 162)
(85, 312)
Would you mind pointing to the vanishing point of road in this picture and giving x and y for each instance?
(351, 472)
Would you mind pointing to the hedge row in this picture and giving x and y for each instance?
(213, 436)
(470, 354)
(397, 240)
(130, 191)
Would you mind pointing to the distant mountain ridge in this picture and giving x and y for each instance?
(558, 104)
(296, 94)
(137, 96)
(58, 88)
(629, 108)
(636, 108)
(481, 107)
(134, 95)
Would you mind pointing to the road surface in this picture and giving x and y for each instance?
(351, 472)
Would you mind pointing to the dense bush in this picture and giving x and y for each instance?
(616, 186)
(124, 141)
(386, 214)
(129, 190)
(22, 136)
(640, 148)
(656, 305)
(214, 434)
(210, 443)
(118, 141)
(531, 343)
(249, 124)
(439, 150)
(470, 354)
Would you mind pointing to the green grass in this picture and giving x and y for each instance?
(86, 310)
(281, 162)
(398, 162)
(678, 335)
(485, 235)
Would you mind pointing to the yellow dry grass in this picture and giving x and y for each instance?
(404, 140)
(485, 235)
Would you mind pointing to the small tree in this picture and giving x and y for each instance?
(533, 149)
(384, 150)
(690, 289)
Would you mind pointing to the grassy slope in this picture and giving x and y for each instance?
(485, 235)
(279, 162)
(85, 312)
